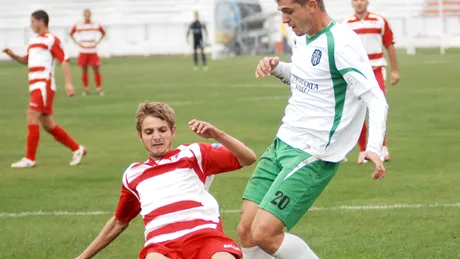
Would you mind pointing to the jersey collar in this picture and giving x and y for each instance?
(169, 154)
(365, 17)
(314, 37)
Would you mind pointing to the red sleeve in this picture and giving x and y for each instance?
(217, 159)
(58, 52)
(74, 30)
(387, 37)
(101, 29)
(128, 206)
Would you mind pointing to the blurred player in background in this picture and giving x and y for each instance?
(198, 29)
(89, 35)
(331, 83)
(42, 52)
(181, 218)
(375, 33)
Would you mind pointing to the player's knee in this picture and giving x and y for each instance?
(244, 232)
(33, 117)
(263, 235)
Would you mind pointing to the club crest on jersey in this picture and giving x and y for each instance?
(316, 57)
(216, 145)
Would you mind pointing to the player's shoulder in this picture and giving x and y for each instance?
(343, 35)
(342, 31)
(136, 168)
(96, 23)
(350, 19)
(376, 16)
(79, 23)
(47, 38)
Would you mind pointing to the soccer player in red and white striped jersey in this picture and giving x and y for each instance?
(88, 35)
(376, 34)
(42, 52)
(169, 190)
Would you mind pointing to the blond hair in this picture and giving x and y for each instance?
(156, 109)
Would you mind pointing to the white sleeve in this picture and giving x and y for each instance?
(353, 65)
(283, 72)
(378, 109)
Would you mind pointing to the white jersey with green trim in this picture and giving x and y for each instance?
(328, 74)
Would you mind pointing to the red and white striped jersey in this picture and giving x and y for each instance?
(87, 36)
(375, 33)
(170, 194)
(42, 52)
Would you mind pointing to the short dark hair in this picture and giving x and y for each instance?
(302, 2)
(41, 15)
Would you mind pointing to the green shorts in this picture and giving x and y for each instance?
(287, 181)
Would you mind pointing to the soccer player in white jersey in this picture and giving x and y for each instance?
(181, 218)
(88, 35)
(331, 84)
(375, 33)
(44, 48)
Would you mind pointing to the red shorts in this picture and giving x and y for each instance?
(42, 101)
(202, 244)
(88, 59)
(381, 74)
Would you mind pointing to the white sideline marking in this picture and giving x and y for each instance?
(344, 207)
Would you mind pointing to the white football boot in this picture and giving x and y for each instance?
(78, 156)
(24, 163)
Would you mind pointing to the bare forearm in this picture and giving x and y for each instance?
(73, 39)
(244, 154)
(66, 70)
(100, 40)
(393, 60)
(111, 230)
(19, 59)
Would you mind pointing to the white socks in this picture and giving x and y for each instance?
(255, 252)
(293, 247)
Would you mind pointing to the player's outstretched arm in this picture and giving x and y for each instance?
(112, 229)
(20, 59)
(244, 154)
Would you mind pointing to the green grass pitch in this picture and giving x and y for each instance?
(423, 176)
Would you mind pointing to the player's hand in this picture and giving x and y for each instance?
(8, 51)
(394, 77)
(266, 66)
(69, 90)
(380, 171)
(204, 129)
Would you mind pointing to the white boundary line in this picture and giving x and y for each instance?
(337, 208)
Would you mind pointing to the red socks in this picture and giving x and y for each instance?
(61, 136)
(84, 79)
(32, 141)
(98, 79)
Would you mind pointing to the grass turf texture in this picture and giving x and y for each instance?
(423, 139)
